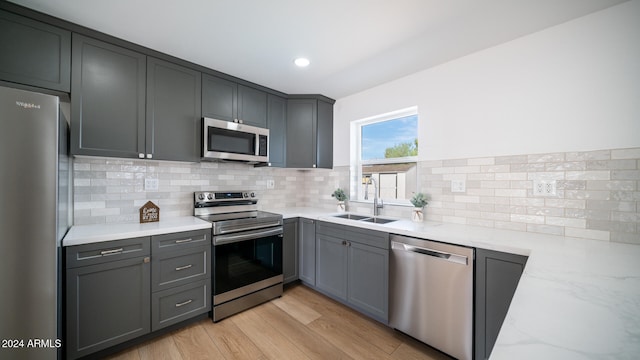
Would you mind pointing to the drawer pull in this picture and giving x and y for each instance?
(183, 267)
(184, 303)
(111, 252)
(183, 241)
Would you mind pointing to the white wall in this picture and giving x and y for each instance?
(572, 87)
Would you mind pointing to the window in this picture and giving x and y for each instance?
(385, 149)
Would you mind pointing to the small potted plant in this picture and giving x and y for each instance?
(419, 201)
(341, 197)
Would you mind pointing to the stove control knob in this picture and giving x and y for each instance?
(245, 195)
(200, 196)
(210, 196)
(253, 195)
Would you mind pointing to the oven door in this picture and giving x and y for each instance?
(233, 141)
(246, 262)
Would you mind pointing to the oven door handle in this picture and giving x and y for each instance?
(236, 228)
(247, 235)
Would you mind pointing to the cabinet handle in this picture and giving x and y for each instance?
(344, 243)
(348, 243)
(183, 267)
(141, 155)
(183, 241)
(314, 165)
(149, 156)
(184, 303)
(111, 252)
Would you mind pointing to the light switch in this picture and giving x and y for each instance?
(271, 184)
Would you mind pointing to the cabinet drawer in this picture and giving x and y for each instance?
(97, 253)
(355, 234)
(174, 305)
(180, 267)
(169, 243)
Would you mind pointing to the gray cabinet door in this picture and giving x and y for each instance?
(107, 304)
(290, 250)
(277, 124)
(252, 106)
(173, 111)
(108, 99)
(324, 137)
(331, 265)
(34, 53)
(301, 133)
(219, 98)
(497, 276)
(307, 245)
(368, 279)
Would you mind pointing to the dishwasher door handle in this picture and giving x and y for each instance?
(454, 258)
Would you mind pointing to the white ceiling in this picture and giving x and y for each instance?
(352, 44)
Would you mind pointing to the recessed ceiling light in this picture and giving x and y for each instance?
(301, 62)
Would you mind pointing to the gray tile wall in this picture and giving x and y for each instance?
(598, 192)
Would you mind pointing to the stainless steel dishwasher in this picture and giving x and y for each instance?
(431, 287)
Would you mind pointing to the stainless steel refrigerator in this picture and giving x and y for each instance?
(35, 214)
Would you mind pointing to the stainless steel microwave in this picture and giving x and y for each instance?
(225, 140)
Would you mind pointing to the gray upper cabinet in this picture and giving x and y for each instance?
(497, 276)
(34, 53)
(108, 100)
(219, 98)
(252, 106)
(127, 105)
(309, 134)
(173, 111)
(226, 100)
(277, 125)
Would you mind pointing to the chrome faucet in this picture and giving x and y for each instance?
(377, 203)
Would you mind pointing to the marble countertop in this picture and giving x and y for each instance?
(86, 234)
(577, 298)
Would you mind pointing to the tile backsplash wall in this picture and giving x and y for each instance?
(112, 190)
(597, 197)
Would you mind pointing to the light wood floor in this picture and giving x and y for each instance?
(302, 324)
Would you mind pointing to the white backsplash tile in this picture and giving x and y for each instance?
(598, 192)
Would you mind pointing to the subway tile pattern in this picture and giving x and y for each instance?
(597, 197)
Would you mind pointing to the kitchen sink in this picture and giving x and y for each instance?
(351, 216)
(375, 220)
(378, 220)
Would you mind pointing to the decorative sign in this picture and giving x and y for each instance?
(150, 212)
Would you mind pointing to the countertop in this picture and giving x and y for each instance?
(86, 234)
(577, 298)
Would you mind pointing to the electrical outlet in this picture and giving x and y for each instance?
(458, 186)
(544, 187)
(271, 184)
(151, 184)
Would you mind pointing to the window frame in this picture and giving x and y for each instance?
(356, 186)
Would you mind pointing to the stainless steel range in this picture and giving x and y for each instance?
(247, 250)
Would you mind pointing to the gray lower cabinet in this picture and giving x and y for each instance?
(497, 276)
(107, 294)
(34, 53)
(290, 250)
(353, 266)
(180, 277)
(307, 250)
(120, 290)
(309, 134)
